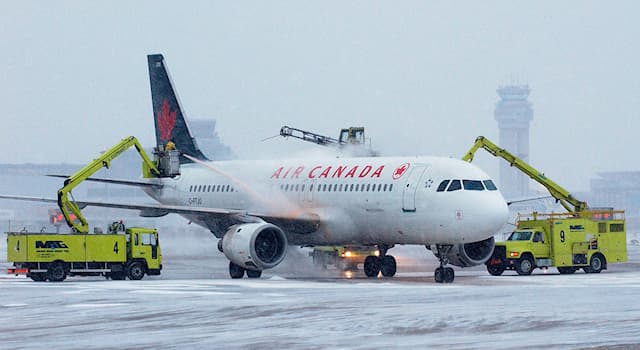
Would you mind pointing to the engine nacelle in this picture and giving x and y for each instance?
(255, 246)
(471, 254)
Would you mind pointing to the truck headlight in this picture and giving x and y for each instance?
(514, 254)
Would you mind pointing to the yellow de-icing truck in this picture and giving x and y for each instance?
(588, 241)
(131, 252)
(54, 256)
(582, 238)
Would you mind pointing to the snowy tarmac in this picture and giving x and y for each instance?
(195, 307)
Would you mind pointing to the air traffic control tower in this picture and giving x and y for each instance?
(514, 113)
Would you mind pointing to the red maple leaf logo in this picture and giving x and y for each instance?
(166, 121)
(400, 171)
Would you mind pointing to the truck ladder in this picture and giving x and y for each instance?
(104, 160)
(558, 192)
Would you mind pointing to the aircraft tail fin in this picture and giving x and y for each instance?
(169, 121)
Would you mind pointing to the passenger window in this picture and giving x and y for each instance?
(368, 187)
(311, 188)
(472, 185)
(490, 185)
(286, 187)
(442, 186)
(384, 188)
(454, 186)
(351, 188)
(302, 188)
(390, 187)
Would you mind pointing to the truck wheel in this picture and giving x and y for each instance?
(254, 273)
(495, 270)
(597, 263)
(38, 277)
(118, 276)
(524, 266)
(56, 272)
(566, 270)
(135, 271)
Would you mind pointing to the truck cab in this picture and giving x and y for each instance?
(524, 250)
(144, 246)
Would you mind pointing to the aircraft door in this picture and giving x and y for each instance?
(411, 186)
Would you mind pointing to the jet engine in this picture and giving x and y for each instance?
(255, 246)
(470, 254)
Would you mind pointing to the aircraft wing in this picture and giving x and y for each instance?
(115, 181)
(302, 222)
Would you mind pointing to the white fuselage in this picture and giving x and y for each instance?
(379, 200)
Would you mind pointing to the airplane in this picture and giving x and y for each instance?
(257, 208)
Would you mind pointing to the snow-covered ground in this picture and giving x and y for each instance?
(193, 305)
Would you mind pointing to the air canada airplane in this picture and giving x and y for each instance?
(257, 208)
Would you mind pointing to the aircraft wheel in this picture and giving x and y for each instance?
(449, 275)
(56, 272)
(254, 273)
(388, 268)
(438, 275)
(235, 271)
(135, 271)
(495, 270)
(524, 266)
(372, 265)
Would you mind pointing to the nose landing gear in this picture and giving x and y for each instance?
(384, 263)
(443, 274)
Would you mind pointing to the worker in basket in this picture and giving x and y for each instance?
(117, 226)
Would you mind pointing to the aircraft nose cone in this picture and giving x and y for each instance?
(499, 213)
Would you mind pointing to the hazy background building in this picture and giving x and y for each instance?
(514, 114)
(204, 130)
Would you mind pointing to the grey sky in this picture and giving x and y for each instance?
(421, 76)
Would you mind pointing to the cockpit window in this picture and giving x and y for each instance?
(520, 236)
(443, 185)
(490, 185)
(472, 185)
(454, 186)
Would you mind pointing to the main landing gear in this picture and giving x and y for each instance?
(383, 263)
(443, 274)
(236, 271)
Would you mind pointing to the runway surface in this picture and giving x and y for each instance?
(193, 305)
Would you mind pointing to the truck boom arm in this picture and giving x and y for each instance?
(309, 136)
(68, 206)
(558, 192)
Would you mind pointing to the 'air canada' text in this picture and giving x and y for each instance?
(320, 172)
